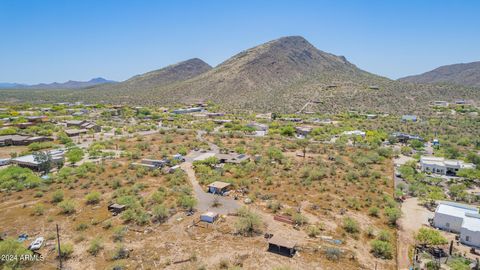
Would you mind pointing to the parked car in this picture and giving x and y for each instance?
(37, 244)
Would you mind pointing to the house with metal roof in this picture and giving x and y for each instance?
(459, 218)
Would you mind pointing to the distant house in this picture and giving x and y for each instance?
(187, 110)
(440, 165)
(292, 119)
(354, 133)
(22, 140)
(209, 217)
(29, 161)
(461, 102)
(371, 116)
(75, 132)
(404, 137)
(374, 87)
(152, 163)
(260, 129)
(303, 131)
(267, 116)
(234, 158)
(459, 218)
(409, 118)
(440, 103)
(281, 245)
(218, 187)
(82, 124)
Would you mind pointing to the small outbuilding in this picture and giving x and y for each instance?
(116, 208)
(280, 245)
(209, 217)
(218, 187)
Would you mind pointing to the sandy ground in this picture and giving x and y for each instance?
(413, 218)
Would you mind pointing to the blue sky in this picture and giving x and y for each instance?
(46, 41)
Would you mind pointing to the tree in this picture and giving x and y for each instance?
(74, 155)
(44, 161)
(426, 236)
(248, 222)
(392, 214)
(303, 144)
(382, 249)
(187, 202)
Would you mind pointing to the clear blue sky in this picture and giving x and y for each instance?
(46, 41)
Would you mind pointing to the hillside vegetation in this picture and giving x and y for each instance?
(281, 76)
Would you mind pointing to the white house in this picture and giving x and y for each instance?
(470, 230)
(354, 133)
(440, 165)
(459, 218)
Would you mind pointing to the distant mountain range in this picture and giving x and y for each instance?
(55, 85)
(282, 75)
(462, 74)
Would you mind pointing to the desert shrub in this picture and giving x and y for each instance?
(38, 209)
(382, 249)
(118, 233)
(430, 237)
(350, 225)
(313, 231)
(14, 248)
(159, 213)
(187, 202)
(17, 178)
(392, 214)
(57, 196)
(274, 206)
(119, 253)
(299, 219)
(95, 246)
(373, 211)
(93, 197)
(248, 222)
(66, 250)
(333, 254)
(384, 236)
(67, 207)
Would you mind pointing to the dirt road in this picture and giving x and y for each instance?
(413, 218)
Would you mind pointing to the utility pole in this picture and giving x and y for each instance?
(59, 250)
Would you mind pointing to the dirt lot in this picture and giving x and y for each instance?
(176, 244)
(414, 217)
(5, 151)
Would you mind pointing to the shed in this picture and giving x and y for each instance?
(218, 187)
(209, 217)
(116, 208)
(281, 245)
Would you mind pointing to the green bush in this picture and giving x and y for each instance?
(57, 196)
(66, 250)
(93, 197)
(248, 222)
(17, 178)
(38, 209)
(350, 225)
(67, 207)
(14, 248)
(95, 246)
(159, 213)
(382, 249)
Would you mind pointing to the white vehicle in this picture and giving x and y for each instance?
(37, 244)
